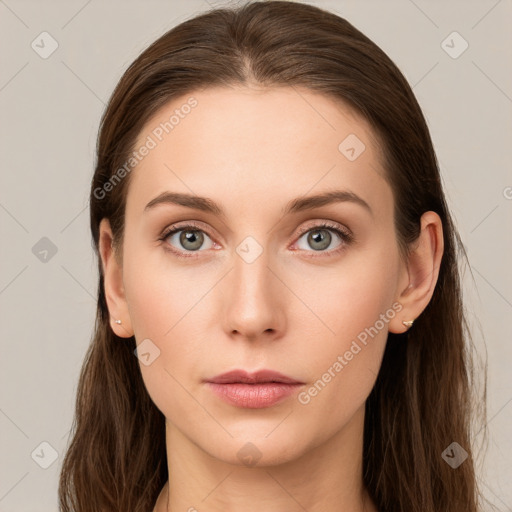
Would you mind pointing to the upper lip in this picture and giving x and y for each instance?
(252, 378)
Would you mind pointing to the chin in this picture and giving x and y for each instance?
(259, 451)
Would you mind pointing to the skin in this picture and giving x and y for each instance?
(252, 150)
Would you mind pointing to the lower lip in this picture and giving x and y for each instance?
(253, 396)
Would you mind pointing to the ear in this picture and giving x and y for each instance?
(418, 279)
(113, 283)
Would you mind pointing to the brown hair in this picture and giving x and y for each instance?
(422, 399)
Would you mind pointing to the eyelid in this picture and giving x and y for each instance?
(323, 224)
(198, 225)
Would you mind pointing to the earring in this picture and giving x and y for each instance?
(408, 323)
(118, 321)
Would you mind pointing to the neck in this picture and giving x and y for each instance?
(327, 478)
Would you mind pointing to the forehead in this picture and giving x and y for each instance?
(273, 143)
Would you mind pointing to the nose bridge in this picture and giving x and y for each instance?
(253, 299)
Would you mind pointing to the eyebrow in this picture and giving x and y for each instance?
(295, 205)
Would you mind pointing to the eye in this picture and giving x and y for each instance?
(185, 238)
(319, 237)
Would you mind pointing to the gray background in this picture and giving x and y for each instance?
(50, 110)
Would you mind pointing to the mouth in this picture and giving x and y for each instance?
(257, 390)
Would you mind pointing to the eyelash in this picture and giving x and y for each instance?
(346, 237)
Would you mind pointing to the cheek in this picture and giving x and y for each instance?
(165, 303)
(353, 307)
(349, 297)
(161, 293)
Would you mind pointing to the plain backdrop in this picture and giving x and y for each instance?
(50, 107)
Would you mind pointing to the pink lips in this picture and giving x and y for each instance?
(253, 390)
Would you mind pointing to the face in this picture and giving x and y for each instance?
(261, 282)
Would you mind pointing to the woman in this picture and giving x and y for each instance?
(275, 247)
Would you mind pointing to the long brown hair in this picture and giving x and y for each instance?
(423, 398)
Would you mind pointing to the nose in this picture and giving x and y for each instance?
(254, 299)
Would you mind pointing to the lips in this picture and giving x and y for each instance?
(257, 390)
(244, 377)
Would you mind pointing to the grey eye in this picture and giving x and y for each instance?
(318, 239)
(188, 239)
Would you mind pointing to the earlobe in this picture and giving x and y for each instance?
(113, 283)
(422, 270)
